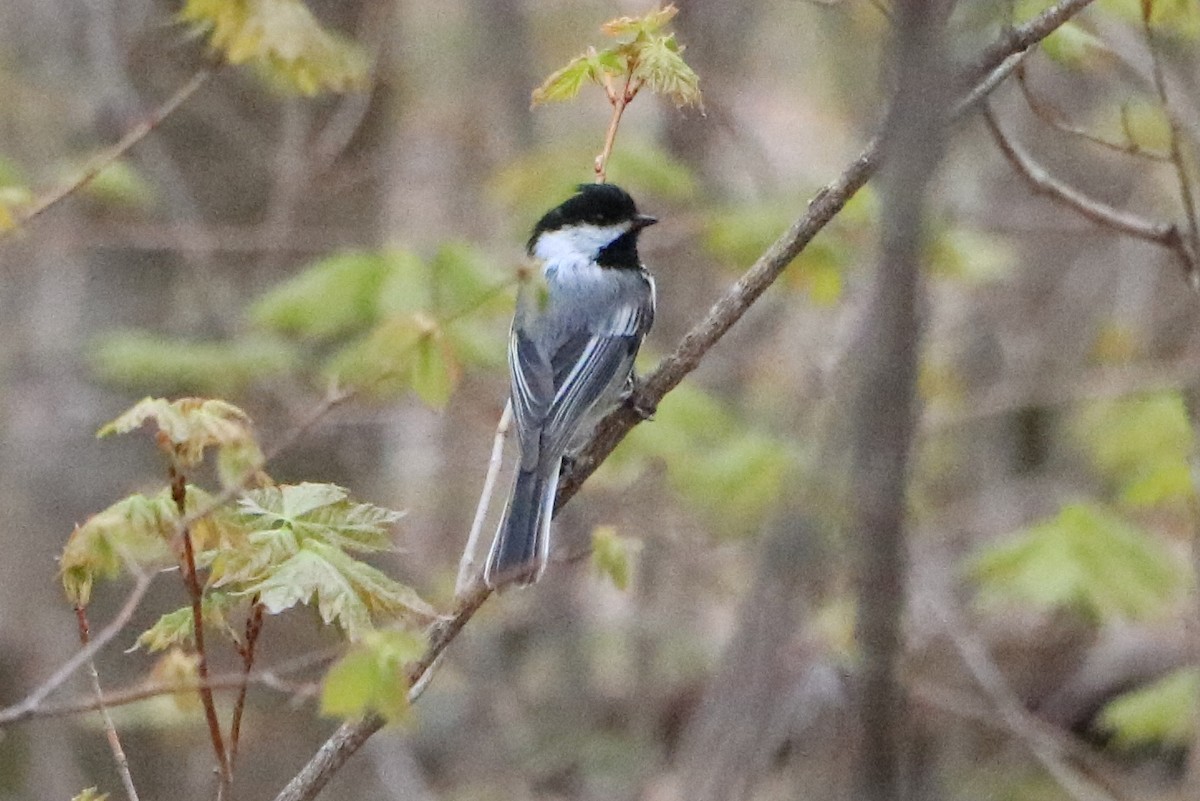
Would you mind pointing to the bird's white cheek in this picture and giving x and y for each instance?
(576, 242)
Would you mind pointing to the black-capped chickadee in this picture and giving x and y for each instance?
(570, 354)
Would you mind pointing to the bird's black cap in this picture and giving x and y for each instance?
(593, 204)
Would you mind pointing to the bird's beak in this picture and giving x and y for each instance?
(641, 221)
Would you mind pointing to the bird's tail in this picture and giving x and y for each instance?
(522, 542)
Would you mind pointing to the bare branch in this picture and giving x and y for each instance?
(110, 729)
(31, 702)
(103, 160)
(1041, 182)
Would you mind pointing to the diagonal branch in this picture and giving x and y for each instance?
(105, 159)
(1166, 235)
(350, 736)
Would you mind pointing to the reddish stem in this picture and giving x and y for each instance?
(254, 622)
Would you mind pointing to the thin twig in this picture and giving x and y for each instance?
(110, 729)
(106, 158)
(1045, 749)
(27, 706)
(619, 101)
(272, 678)
(1055, 119)
(349, 737)
(467, 565)
(196, 592)
(254, 622)
(1041, 182)
(1176, 149)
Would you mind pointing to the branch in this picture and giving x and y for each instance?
(27, 707)
(1165, 235)
(106, 158)
(110, 729)
(467, 572)
(309, 782)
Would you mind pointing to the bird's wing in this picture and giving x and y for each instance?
(532, 392)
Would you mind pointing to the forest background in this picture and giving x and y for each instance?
(321, 220)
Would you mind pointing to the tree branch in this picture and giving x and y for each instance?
(106, 158)
(1166, 235)
(110, 728)
(309, 782)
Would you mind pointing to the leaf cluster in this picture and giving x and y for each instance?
(283, 40)
(644, 56)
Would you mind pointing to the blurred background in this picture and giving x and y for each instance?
(239, 252)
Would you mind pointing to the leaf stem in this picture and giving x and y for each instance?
(619, 101)
(110, 729)
(192, 582)
(254, 622)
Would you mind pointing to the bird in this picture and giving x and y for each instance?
(570, 355)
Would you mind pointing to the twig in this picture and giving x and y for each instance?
(821, 209)
(106, 158)
(467, 565)
(110, 729)
(271, 678)
(1176, 149)
(1041, 182)
(254, 621)
(192, 581)
(26, 707)
(619, 101)
(1044, 748)
(1055, 119)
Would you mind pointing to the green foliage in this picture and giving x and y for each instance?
(137, 359)
(1085, 558)
(398, 322)
(133, 531)
(189, 426)
(91, 794)
(119, 184)
(177, 629)
(282, 38)
(721, 466)
(612, 554)
(14, 194)
(1160, 714)
(643, 57)
(296, 539)
(969, 255)
(1141, 445)
(372, 678)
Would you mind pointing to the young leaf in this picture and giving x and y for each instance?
(371, 677)
(435, 369)
(563, 84)
(611, 555)
(1157, 715)
(321, 511)
(1086, 558)
(187, 426)
(177, 629)
(91, 794)
(282, 38)
(659, 63)
(178, 669)
(133, 531)
(343, 589)
(649, 23)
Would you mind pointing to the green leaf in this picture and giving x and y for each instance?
(177, 629)
(1085, 558)
(186, 427)
(1073, 47)
(133, 531)
(120, 184)
(91, 794)
(649, 23)
(435, 369)
(380, 362)
(320, 511)
(148, 362)
(565, 83)
(659, 62)
(283, 39)
(1142, 445)
(336, 296)
(972, 256)
(1161, 714)
(344, 590)
(611, 555)
(371, 677)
